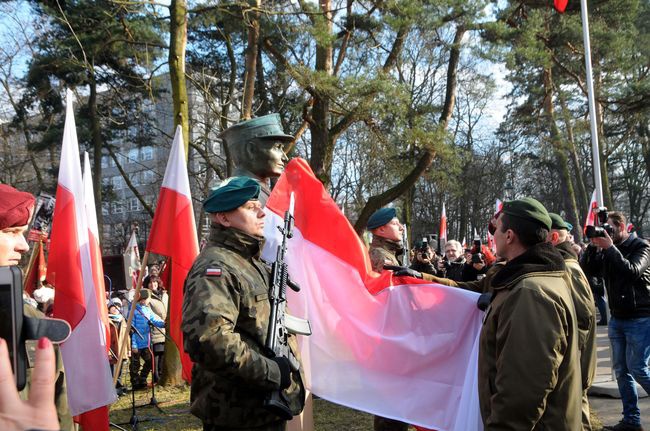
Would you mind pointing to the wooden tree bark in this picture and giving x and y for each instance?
(602, 145)
(251, 59)
(172, 371)
(177, 44)
(560, 154)
(98, 145)
(582, 197)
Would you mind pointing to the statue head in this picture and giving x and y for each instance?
(257, 145)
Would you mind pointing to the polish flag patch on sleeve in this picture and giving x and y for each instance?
(213, 272)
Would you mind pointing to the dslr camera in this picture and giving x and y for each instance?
(477, 256)
(599, 231)
(16, 328)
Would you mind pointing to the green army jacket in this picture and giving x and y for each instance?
(384, 252)
(529, 371)
(225, 319)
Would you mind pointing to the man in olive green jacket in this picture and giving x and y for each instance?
(226, 313)
(583, 300)
(529, 370)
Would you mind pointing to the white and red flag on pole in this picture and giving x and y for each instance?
(591, 215)
(498, 206)
(397, 347)
(134, 259)
(443, 224)
(173, 234)
(70, 270)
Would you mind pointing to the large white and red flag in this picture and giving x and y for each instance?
(77, 300)
(443, 225)
(173, 234)
(397, 347)
(134, 259)
(591, 215)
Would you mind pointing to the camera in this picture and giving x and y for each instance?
(477, 256)
(16, 328)
(599, 231)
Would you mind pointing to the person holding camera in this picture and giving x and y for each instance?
(479, 263)
(424, 259)
(624, 262)
(453, 264)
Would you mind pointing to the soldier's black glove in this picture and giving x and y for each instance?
(285, 371)
(484, 301)
(403, 271)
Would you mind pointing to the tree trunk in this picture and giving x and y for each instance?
(602, 146)
(583, 199)
(251, 59)
(177, 43)
(97, 154)
(560, 155)
(322, 144)
(172, 371)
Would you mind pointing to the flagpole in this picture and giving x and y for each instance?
(592, 103)
(122, 348)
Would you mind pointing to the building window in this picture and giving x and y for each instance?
(105, 161)
(147, 177)
(133, 155)
(118, 182)
(134, 204)
(117, 208)
(106, 211)
(146, 153)
(135, 178)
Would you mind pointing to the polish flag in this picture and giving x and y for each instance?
(134, 259)
(397, 347)
(498, 206)
(591, 215)
(173, 234)
(70, 270)
(490, 242)
(443, 224)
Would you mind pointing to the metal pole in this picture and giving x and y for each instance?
(592, 103)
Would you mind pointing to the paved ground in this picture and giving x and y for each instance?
(607, 408)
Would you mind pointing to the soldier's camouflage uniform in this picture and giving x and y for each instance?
(385, 252)
(225, 318)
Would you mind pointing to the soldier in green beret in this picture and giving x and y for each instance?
(529, 369)
(226, 312)
(385, 249)
(257, 149)
(583, 301)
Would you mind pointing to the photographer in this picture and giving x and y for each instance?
(452, 265)
(481, 260)
(425, 259)
(625, 264)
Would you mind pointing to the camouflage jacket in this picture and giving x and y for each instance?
(225, 318)
(384, 252)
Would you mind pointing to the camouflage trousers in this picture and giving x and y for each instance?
(385, 424)
(278, 426)
(139, 376)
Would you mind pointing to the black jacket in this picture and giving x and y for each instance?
(626, 270)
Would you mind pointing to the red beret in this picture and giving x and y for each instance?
(15, 207)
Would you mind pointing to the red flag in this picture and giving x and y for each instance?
(591, 216)
(443, 224)
(37, 270)
(173, 234)
(560, 5)
(70, 270)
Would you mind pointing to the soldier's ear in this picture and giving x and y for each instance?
(222, 219)
(249, 150)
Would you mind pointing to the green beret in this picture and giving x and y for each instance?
(528, 209)
(267, 126)
(557, 222)
(145, 294)
(381, 217)
(232, 193)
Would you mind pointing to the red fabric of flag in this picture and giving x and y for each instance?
(560, 5)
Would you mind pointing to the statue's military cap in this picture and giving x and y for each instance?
(528, 209)
(232, 193)
(381, 217)
(558, 222)
(267, 126)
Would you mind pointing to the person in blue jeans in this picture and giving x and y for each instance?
(625, 263)
(141, 340)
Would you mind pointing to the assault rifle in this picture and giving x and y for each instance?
(280, 323)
